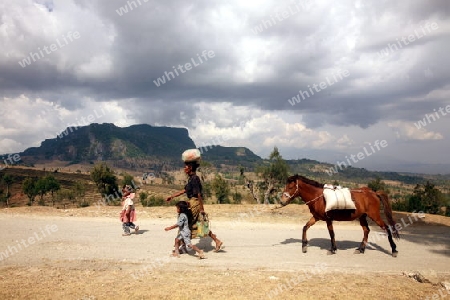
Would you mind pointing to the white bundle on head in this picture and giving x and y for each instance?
(191, 155)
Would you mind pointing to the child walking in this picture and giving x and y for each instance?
(184, 233)
(128, 213)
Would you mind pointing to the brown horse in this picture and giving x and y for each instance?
(367, 203)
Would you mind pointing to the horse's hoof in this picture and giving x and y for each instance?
(394, 254)
(358, 251)
(331, 252)
(304, 249)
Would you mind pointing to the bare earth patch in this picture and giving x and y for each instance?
(84, 256)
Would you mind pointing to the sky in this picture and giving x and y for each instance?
(323, 80)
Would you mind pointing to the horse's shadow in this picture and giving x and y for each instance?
(325, 244)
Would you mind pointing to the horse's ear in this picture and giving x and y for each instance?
(292, 178)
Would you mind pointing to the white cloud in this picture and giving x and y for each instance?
(408, 131)
(26, 122)
(9, 146)
(258, 130)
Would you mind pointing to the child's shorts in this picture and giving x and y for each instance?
(186, 240)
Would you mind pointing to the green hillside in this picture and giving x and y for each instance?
(103, 142)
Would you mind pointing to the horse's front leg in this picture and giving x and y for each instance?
(366, 230)
(310, 223)
(331, 232)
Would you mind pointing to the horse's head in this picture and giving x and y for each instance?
(291, 190)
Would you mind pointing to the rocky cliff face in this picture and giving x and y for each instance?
(137, 146)
(109, 142)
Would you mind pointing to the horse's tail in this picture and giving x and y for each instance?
(388, 212)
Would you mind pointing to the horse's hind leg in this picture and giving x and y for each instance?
(333, 241)
(365, 227)
(391, 242)
(310, 223)
(381, 223)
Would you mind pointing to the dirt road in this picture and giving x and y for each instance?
(74, 257)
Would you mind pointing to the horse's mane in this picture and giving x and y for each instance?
(305, 180)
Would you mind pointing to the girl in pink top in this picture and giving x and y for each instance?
(128, 213)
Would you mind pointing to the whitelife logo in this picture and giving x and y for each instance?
(10, 160)
(339, 76)
(11, 250)
(282, 15)
(405, 41)
(187, 66)
(432, 117)
(41, 53)
(355, 158)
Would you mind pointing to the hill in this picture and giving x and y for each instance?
(230, 156)
(102, 142)
(312, 168)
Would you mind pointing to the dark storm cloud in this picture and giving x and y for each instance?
(304, 48)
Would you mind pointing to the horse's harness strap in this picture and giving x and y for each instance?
(296, 189)
(313, 199)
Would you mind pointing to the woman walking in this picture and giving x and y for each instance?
(193, 191)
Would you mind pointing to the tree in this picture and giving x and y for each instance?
(143, 197)
(2, 198)
(80, 188)
(241, 179)
(207, 190)
(105, 179)
(41, 188)
(8, 180)
(254, 190)
(62, 194)
(221, 189)
(128, 179)
(426, 198)
(29, 188)
(71, 196)
(237, 197)
(378, 185)
(274, 174)
(206, 169)
(79, 191)
(167, 178)
(52, 186)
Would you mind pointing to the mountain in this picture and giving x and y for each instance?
(135, 147)
(107, 142)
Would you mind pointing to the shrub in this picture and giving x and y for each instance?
(237, 198)
(400, 205)
(154, 201)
